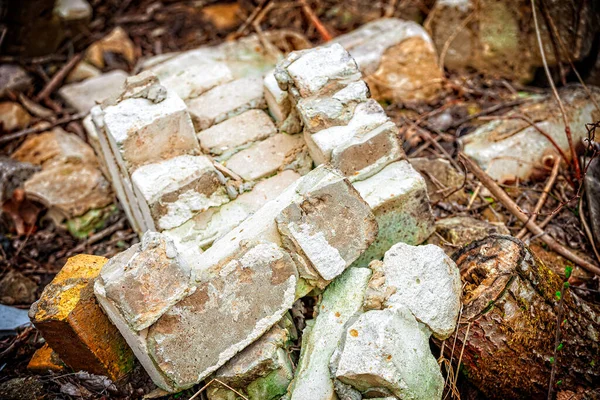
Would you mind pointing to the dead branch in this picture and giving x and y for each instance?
(532, 226)
(58, 78)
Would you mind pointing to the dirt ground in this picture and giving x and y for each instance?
(159, 27)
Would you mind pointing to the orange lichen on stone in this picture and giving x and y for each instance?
(73, 324)
(45, 360)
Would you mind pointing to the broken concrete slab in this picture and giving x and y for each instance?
(226, 101)
(177, 188)
(236, 133)
(263, 370)
(71, 321)
(397, 58)
(510, 149)
(267, 157)
(398, 197)
(12, 175)
(84, 95)
(387, 352)
(204, 228)
(422, 279)
(341, 301)
(192, 73)
(13, 116)
(316, 231)
(155, 276)
(455, 232)
(260, 284)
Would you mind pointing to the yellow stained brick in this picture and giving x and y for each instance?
(45, 360)
(73, 324)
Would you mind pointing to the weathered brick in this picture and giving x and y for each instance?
(72, 322)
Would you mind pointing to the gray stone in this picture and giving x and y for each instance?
(398, 197)
(267, 157)
(388, 350)
(13, 77)
(510, 149)
(226, 101)
(144, 281)
(177, 188)
(73, 10)
(84, 95)
(592, 191)
(12, 175)
(341, 301)
(421, 279)
(236, 133)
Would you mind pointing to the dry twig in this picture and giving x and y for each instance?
(532, 226)
(58, 78)
(543, 197)
(314, 19)
(42, 127)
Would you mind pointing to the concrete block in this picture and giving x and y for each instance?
(398, 197)
(71, 321)
(177, 188)
(236, 133)
(226, 101)
(341, 301)
(204, 228)
(267, 157)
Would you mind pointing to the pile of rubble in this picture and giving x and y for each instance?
(256, 178)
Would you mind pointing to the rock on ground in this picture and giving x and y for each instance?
(510, 149)
(86, 94)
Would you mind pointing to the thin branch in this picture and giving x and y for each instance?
(314, 19)
(43, 127)
(58, 77)
(514, 209)
(543, 197)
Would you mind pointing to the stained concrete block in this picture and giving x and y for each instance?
(143, 131)
(259, 284)
(84, 95)
(422, 279)
(263, 370)
(367, 116)
(226, 101)
(341, 301)
(397, 58)
(204, 228)
(177, 188)
(398, 197)
(388, 351)
(236, 133)
(144, 281)
(71, 321)
(327, 230)
(267, 157)
(45, 360)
